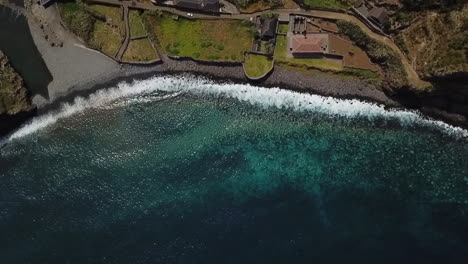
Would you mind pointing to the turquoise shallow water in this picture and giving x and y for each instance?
(201, 178)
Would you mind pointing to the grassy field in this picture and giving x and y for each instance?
(140, 50)
(257, 65)
(82, 21)
(367, 75)
(394, 71)
(106, 38)
(338, 4)
(114, 13)
(136, 27)
(322, 64)
(214, 40)
(283, 28)
(77, 20)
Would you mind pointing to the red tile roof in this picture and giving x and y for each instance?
(313, 43)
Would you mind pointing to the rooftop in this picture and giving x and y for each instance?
(310, 43)
(379, 14)
(268, 28)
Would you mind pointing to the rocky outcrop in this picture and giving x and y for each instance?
(13, 93)
(434, 40)
(15, 103)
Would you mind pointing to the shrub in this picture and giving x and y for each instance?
(459, 42)
(395, 75)
(174, 51)
(196, 55)
(214, 57)
(206, 44)
(220, 47)
(419, 5)
(269, 15)
(78, 20)
(276, 3)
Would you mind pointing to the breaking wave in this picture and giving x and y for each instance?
(258, 96)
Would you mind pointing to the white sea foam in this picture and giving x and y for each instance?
(263, 97)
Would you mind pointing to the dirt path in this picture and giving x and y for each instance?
(413, 76)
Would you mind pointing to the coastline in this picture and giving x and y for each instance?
(79, 71)
(283, 78)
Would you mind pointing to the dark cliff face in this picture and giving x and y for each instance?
(447, 101)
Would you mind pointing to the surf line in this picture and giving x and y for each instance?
(258, 96)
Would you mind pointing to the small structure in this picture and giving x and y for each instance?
(211, 6)
(299, 24)
(309, 45)
(361, 8)
(268, 29)
(377, 15)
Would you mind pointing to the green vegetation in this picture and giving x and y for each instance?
(395, 75)
(366, 75)
(111, 13)
(13, 94)
(283, 28)
(247, 3)
(107, 35)
(335, 4)
(437, 43)
(201, 39)
(140, 50)
(78, 21)
(419, 5)
(257, 65)
(105, 38)
(100, 27)
(136, 27)
(266, 47)
(321, 64)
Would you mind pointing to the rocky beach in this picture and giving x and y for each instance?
(78, 71)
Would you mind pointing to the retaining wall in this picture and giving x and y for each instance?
(208, 63)
(264, 76)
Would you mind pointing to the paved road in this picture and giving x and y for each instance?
(413, 77)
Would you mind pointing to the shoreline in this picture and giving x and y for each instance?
(309, 83)
(324, 85)
(91, 72)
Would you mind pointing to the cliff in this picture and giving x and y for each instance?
(15, 103)
(434, 36)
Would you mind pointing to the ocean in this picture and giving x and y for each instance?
(182, 169)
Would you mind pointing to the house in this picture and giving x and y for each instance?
(211, 6)
(308, 45)
(361, 8)
(268, 29)
(378, 15)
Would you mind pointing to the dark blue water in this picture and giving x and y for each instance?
(205, 179)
